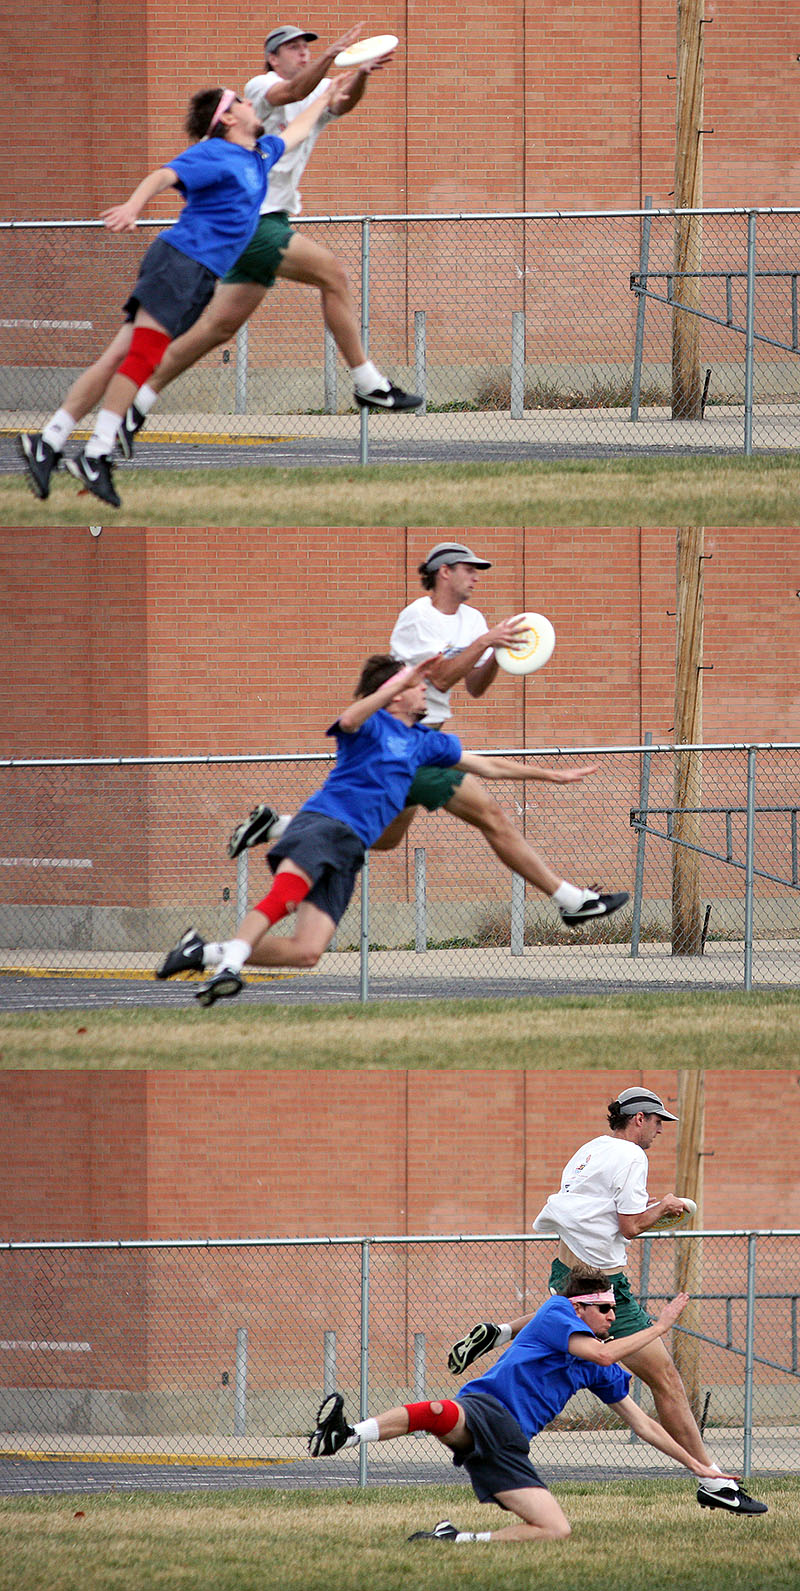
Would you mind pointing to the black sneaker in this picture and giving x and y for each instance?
(132, 421)
(40, 460)
(595, 906)
(481, 1339)
(95, 474)
(261, 826)
(393, 398)
(186, 957)
(444, 1531)
(223, 986)
(332, 1429)
(732, 1497)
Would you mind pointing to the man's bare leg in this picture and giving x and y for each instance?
(472, 804)
(232, 304)
(394, 834)
(654, 1366)
(310, 263)
(314, 930)
(86, 392)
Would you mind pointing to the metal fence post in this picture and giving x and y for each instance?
(240, 1384)
(241, 886)
(644, 1288)
(329, 1363)
(749, 1355)
(241, 370)
(330, 398)
(517, 364)
(641, 841)
(749, 332)
(749, 864)
(364, 413)
(363, 1397)
(420, 901)
(420, 359)
(364, 946)
(638, 347)
(419, 1371)
(517, 914)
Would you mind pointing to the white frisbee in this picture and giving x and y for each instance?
(533, 647)
(666, 1223)
(366, 50)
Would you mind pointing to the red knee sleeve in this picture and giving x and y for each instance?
(146, 351)
(286, 894)
(422, 1418)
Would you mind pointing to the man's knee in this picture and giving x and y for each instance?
(439, 1418)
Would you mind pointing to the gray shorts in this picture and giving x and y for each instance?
(499, 1460)
(330, 852)
(173, 288)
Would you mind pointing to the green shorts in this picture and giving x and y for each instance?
(432, 787)
(261, 259)
(630, 1316)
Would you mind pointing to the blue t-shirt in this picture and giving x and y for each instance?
(224, 185)
(374, 769)
(537, 1375)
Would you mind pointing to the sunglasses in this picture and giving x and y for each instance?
(605, 1309)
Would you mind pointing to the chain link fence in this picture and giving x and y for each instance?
(523, 332)
(218, 1353)
(104, 863)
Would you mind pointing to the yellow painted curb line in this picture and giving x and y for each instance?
(264, 975)
(145, 1458)
(215, 439)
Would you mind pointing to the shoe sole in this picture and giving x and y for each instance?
(224, 990)
(30, 479)
(253, 831)
(387, 408)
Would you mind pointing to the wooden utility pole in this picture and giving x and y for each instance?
(688, 1252)
(687, 389)
(687, 928)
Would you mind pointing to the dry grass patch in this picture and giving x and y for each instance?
(654, 491)
(632, 1536)
(755, 1032)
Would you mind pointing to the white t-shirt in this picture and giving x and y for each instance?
(283, 192)
(605, 1178)
(421, 631)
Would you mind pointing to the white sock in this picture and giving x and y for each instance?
(212, 953)
(234, 953)
(145, 398)
(474, 1535)
(570, 897)
(364, 1431)
(58, 429)
(367, 378)
(709, 1485)
(102, 439)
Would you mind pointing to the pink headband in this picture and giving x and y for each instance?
(226, 99)
(594, 1298)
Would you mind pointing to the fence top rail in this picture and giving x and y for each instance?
(459, 215)
(328, 756)
(404, 1239)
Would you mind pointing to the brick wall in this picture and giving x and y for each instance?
(206, 1154)
(161, 642)
(518, 107)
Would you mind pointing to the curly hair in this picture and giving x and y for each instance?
(202, 106)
